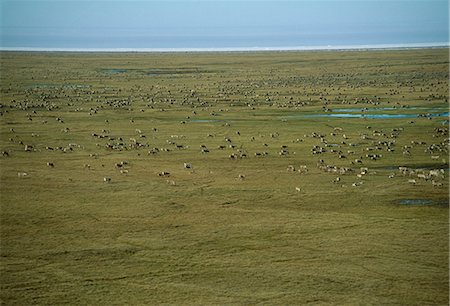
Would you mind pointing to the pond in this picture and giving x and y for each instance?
(157, 71)
(205, 120)
(416, 202)
(441, 202)
(57, 86)
(393, 108)
(114, 71)
(368, 116)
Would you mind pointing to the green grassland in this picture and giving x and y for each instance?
(244, 230)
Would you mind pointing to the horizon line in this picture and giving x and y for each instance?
(235, 49)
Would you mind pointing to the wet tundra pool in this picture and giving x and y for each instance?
(114, 71)
(372, 109)
(205, 120)
(368, 116)
(416, 202)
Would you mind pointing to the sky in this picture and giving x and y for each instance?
(220, 23)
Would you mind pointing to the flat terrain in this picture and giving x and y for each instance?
(225, 178)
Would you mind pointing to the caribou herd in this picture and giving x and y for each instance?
(334, 145)
(336, 153)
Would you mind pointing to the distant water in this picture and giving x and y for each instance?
(385, 116)
(372, 116)
(236, 49)
(271, 39)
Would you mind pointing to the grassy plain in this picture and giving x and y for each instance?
(206, 235)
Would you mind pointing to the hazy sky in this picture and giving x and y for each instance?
(137, 23)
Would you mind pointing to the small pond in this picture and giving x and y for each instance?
(368, 116)
(114, 71)
(372, 109)
(57, 86)
(205, 120)
(416, 202)
(442, 202)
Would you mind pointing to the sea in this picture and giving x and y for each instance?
(140, 40)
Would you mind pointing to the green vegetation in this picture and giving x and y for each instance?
(280, 206)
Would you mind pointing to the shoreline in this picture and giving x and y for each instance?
(376, 47)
